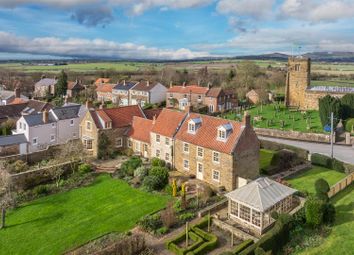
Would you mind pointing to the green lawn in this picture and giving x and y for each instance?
(293, 120)
(341, 239)
(265, 157)
(306, 180)
(56, 223)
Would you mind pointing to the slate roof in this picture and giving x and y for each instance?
(12, 139)
(16, 110)
(144, 85)
(168, 122)
(46, 82)
(194, 89)
(67, 112)
(37, 119)
(261, 193)
(206, 133)
(8, 94)
(140, 129)
(126, 86)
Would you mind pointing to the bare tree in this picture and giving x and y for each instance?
(57, 173)
(6, 196)
(72, 151)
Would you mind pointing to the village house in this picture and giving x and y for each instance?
(56, 126)
(121, 93)
(11, 97)
(146, 92)
(181, 96)
(45, 86)
(218, 99)
(163, 134)
(104, 92)
(214, 98)
(13, 145)
(139, 136)
(251, 205)
(220, 152)
(257, 96)
(101, 81)
(114, 123)
(74, 88)
(15, 110)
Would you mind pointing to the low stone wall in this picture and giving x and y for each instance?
(293, 135)
(274, 146)
(32, 178)
(213, 208)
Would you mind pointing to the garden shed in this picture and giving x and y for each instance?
(251, 205)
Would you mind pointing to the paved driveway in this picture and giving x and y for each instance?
(341, 152)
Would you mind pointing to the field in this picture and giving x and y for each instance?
(336, 83)
(293, 120)
(56, 223)
(341, 239)
(305, 181)
(85, 67)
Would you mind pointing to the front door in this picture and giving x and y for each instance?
(200, 171)
(145, 151)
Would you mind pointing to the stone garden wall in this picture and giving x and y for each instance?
(274, 146)
(293, 135)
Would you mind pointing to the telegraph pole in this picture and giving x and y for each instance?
(332, 119)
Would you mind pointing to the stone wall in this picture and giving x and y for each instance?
(269, 145)
(311, 99)
(293, 135)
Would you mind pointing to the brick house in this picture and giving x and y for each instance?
(163, 134)
(145, 92)
(104, 92)
(220, 152)
(179, 96)
(218, 99)
(74, 88)
(139, 136)
(121, 93)
(115, 123)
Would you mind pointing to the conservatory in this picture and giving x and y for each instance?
(251, 205)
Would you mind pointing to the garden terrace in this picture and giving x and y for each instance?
(57, 223)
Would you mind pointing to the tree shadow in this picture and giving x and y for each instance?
(43, 220)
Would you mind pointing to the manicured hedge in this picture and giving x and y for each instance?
(203, 241)
(242, 246)
(323, 160)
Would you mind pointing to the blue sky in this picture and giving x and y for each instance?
(172, 29)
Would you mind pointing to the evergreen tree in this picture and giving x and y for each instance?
(62, 85)
(327, 105)
(347, 106)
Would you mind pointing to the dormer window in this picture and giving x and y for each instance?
(108, 125)
(224, 131)
(193, 125)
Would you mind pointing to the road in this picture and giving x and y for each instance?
(341, 152)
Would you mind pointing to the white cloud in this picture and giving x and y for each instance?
(254, 8)
(318, 10)
(77, 47)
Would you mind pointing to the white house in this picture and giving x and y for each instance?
(56, 126)
(121, 92)
(145, 92)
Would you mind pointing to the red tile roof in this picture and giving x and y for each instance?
(144, 85)
(141, 129)
(105, 88)
(206, 135)
(214, 92)
(102, 80)
(122, 116)
(150, 113)
(168, 122)
(18, 100)
(194, 89)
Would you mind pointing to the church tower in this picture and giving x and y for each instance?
(297, 81)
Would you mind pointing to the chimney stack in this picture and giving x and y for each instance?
(246, 119)
(123, 82)
(154, 119)
(209, 85)
(17, 92)
(147, 83)
(188, 108)
(45, 116)
(171, 84)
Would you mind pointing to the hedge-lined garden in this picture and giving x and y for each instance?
(202, 241)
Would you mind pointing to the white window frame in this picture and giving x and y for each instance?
(20, 125)
(129, 143)
(167, 141)
(221, 134)
(52, 137)
(219, 157)
(53, 125)
(33, 139)
(202, 150)
(24, 126)
(186, 166)
(120, 144)
(158, 153)
(88, 125)
(72, 122)
(137, 146)
(191, 128)
(157, 138)
(185, 145)
(218, 174)
(167, 156)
